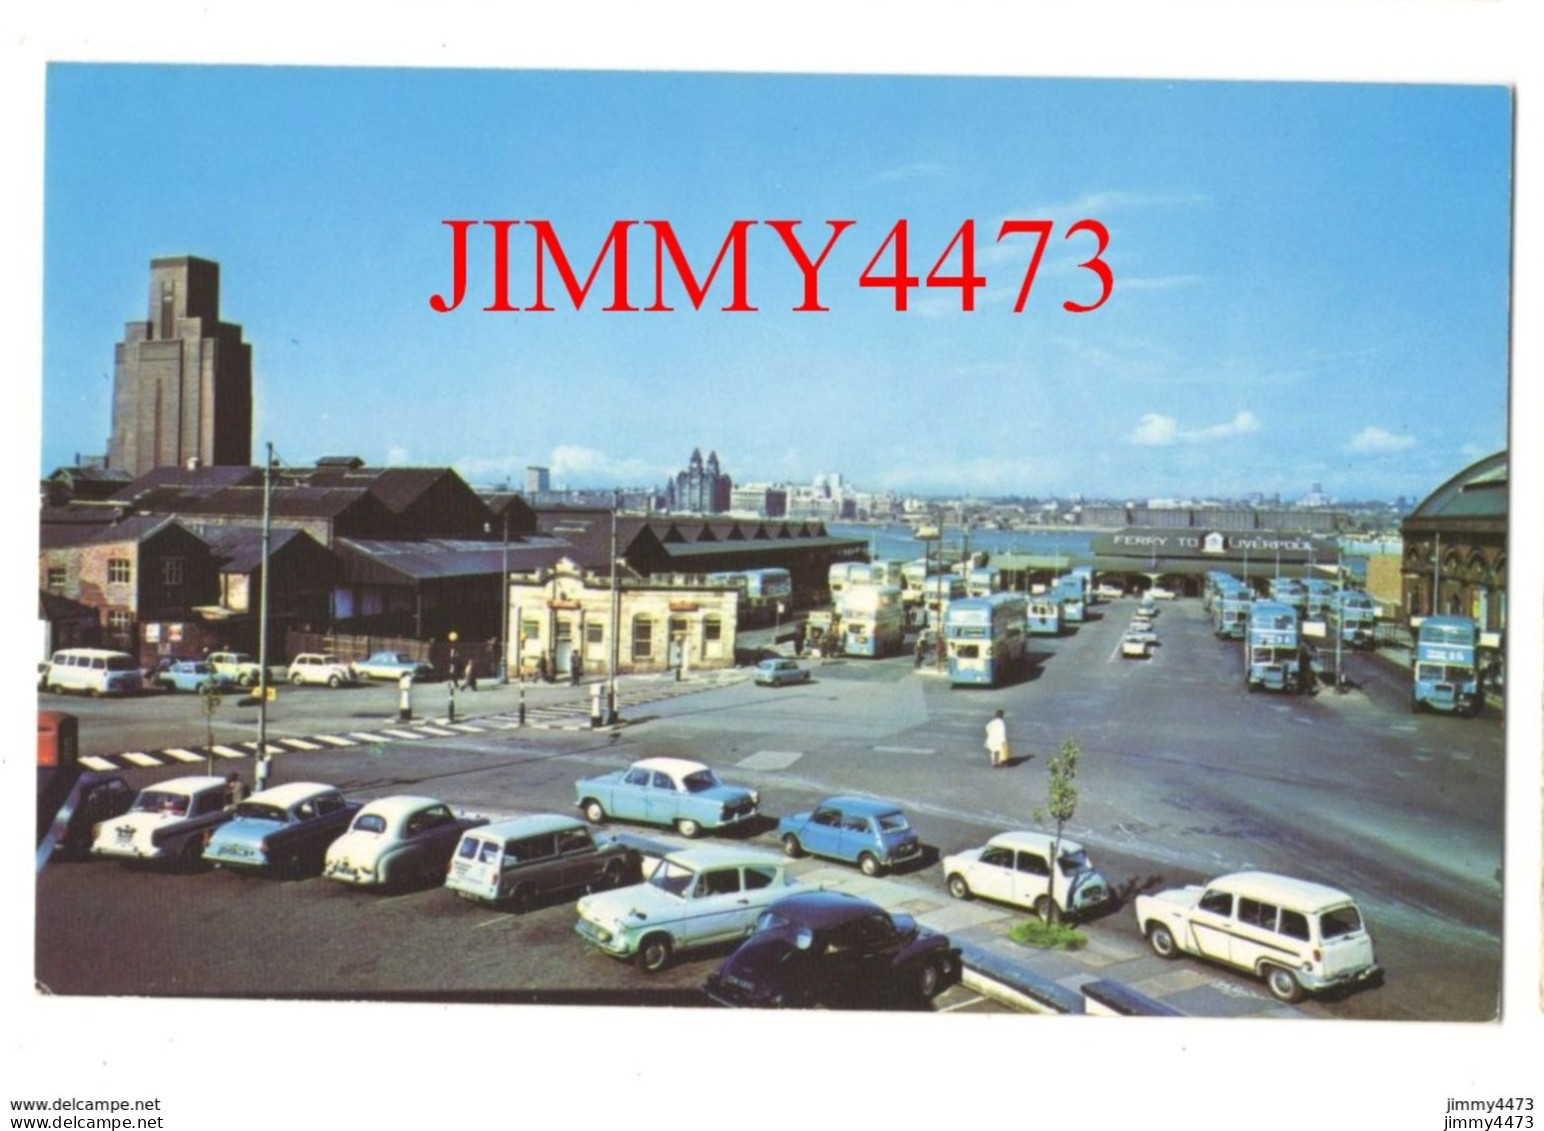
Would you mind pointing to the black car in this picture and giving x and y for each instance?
(829, 948)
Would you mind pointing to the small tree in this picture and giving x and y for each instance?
(211, 702)
(1061, 803)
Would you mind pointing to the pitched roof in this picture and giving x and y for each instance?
(425, 558)
(135, 529)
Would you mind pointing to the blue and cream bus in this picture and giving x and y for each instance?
(873, 620)
(764, 593)
(1043, 617)
(938, 591)
(1231, 603)
(1445, 678)
(840, 575)
(1274, 656)
(1321, 596)
(1356, 616)
(983, 581)
(1068, 589)
(985, 638)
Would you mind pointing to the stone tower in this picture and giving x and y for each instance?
(182, 379)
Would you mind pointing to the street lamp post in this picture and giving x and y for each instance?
(504, 600)
(260, 773)
(616, 620)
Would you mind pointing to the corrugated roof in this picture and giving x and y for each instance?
(135, 529)
(241, 547)
(427, 558)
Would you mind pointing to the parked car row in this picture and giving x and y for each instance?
(794, 946)
(101, 671)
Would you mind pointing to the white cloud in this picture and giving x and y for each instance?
(397, 456)
(914, 171)
(578, 466)
(1157, 430)
(1372, 440)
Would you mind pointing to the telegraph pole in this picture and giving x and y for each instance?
(616, 619)
(261, 773)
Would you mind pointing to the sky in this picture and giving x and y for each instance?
(1310, 280)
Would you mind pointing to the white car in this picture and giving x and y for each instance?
(314, 667)
(1159, 593)
(693, 898)
(1014, 868)
(1297, 935)
(239, 667)
(1133, 646)
(1108, 592)
(396, 840)
(1142, 629)
(169, 821)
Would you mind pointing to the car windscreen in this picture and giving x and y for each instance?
(893, 822)
(699, 781)
(369, 823)
(1339, 921)
(672, 877)
(160, 801)
(261, 811)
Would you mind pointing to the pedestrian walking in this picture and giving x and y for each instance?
(575, 668)
(469, 675)
(997, 740)
(921, 651)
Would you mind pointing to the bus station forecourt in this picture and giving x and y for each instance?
(1186, 776)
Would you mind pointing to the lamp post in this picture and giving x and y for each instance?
(504, 600)
(616, 619)
(260, 773)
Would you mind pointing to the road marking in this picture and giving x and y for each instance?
(101, 765)
(770, 760)
(182, 755)
(439, 732)
(143, 760)
(974, 1000)
(229, 752)
(496, 919)
(468, 728)
(367, 737)
(332, 740)
(402, 733)
(300, 744)
(904, 750)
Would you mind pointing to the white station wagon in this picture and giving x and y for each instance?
(168, 822)
(1014, 867)
(1299, 936)
(693, 898)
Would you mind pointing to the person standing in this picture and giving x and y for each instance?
(235, 790)
(997, 740)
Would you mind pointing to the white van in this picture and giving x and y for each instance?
(95, 671)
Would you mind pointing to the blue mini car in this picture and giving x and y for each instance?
(192, 675)
(875, 835)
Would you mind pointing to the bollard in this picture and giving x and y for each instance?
(611, 707)
(594, 706)
(405, 698)
(260, 774)
(522, 704)
(450, 689)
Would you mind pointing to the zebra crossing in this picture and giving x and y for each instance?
(548, 716)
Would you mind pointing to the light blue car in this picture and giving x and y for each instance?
(874, 835)
(666, 791)
(192, 675)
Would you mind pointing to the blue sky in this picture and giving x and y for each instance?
(1311, 280)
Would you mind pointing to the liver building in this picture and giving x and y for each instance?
(701, 488)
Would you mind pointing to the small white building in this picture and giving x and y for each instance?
(661, 624)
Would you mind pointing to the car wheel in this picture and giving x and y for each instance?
(1283, 984)
(958, 887)
(522, 899)
(791, 846)
(1161, 939)
(334, 682)
(613, 874)
(594, 812)
(247, 680)
(929, 980)
(869, 864)
(654, 954)
(688, 828)
(191, 856)
(297, 679)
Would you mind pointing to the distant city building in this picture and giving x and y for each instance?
(182, 379)
(701, 489)
(537, 479)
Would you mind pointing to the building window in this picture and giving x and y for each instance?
(118, 571)
(712, 629)
(643, 638)
(172, 570)
(530, 629)
(56, 578)
(119, 620)
(594, 632)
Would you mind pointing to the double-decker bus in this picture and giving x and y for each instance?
(873, 620)
(1043, 616)
(1274, 656)
(1230, 610)
(1355, 616)
(983, 581)
(938, 590)
(1321, 597)
(1068, 589)
(1445, 678)
(762, 591)
(1090, 595)
(985, 637)
(1215, 582)
(913, 574)
(1290, 591)
(841, 574)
